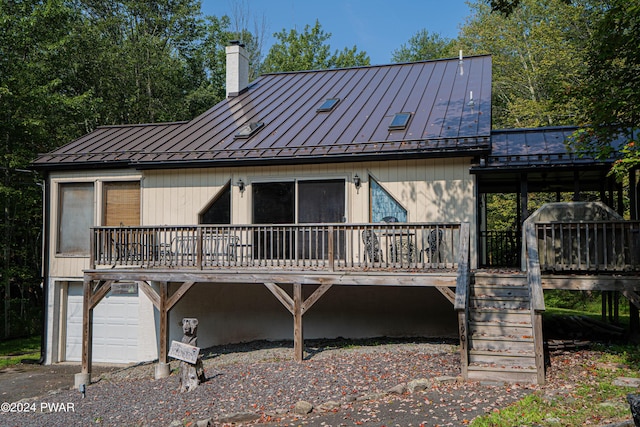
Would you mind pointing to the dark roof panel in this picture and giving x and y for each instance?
(434, 92)
(536, 147)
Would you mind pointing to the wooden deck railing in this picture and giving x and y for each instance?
(597, 246)
(330, 247)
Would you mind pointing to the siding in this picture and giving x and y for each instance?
(432, 190)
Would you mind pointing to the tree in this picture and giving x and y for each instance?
(612, 85)
(537, 53)
(68, 67)
(148, 54)
(309, 51)
(423, 46)
(36, 114)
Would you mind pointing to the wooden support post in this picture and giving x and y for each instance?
(83, 379)
(164, 323)
(539, 347)
(464, 345)
(298, 344)
(524, 197)
(576, 186)
(87, 326)
(162, 368)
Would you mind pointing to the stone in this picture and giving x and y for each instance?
(205, 423)
(239, 417)
(176, 423)
(399, 389)
(634, 404)
(418, 385)
(627, 382)
(329, 405)
(303, 408)
(371, 396)
(446, 379)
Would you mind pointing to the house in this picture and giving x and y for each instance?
(351, 197)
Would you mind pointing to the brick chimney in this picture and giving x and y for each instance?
(237, 69)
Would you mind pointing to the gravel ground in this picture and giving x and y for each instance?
(347, 383)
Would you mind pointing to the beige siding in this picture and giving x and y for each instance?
(432, 190)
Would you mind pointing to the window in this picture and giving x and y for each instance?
(273, 203)
(383, 204)
(317, 201)
(249, 129)
(219, 210)
(327, 105)
(76, 212)
(400, 121)
(121, 203)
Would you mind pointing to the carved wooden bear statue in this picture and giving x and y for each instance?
(191, 375)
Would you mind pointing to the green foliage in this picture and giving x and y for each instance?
(18, 350)
(611, 87)
(423, 46)
(309, 50)
(537, 53)
(68, 67)
(595, 400)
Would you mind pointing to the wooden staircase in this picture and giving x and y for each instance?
(500, 330)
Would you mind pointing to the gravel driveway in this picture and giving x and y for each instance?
(347, 383)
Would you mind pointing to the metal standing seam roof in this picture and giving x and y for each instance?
(436, 93)
(535, 147)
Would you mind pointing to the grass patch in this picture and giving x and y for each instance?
(18, 350)
(595, 400)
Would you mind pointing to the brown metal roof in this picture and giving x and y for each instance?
(537, 147)
(436, 93)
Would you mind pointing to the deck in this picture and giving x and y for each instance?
(568, 255)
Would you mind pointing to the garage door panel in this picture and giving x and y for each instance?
(115, 327)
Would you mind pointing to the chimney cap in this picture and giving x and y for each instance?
(236, 43)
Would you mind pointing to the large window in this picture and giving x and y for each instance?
(317, 201)
(383, 206)
(121, 203)
(76, 213)
(219, 210)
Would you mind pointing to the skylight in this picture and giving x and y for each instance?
(400, 121)
(249, 129)
(328, 105)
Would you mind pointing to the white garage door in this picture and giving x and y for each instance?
(115, 327)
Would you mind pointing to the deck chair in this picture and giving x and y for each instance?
(432, 245)
(371, 246)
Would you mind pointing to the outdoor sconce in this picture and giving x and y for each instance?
(357, 182)
(240, 185)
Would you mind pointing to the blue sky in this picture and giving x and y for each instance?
(375, 26)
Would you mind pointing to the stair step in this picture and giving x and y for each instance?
(529, 376)
(490, 358)
(480, 343)
(502, 338)
(494, 315)
(500, 329)
(500, 291)
(500, 280)
(509, 304)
